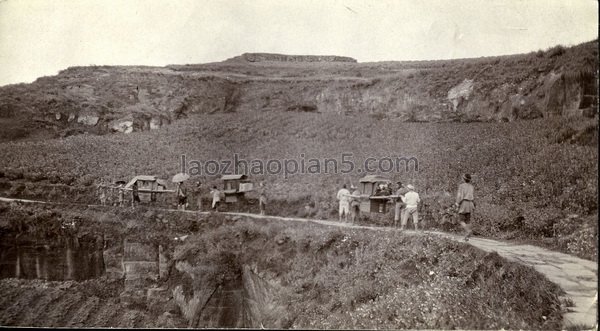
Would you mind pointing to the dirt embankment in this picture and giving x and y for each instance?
(229, 271)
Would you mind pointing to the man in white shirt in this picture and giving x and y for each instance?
(344, 196)
(216, 196)
(411, 200)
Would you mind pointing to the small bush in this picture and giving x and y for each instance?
(555, 51)
(379, 116)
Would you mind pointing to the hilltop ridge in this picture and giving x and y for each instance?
(264, 57)
(104, 99)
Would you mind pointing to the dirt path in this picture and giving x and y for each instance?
(577, 277)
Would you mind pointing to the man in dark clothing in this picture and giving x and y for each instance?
(121, 197)
(399, 206)
(135, 196)
(354, 204)
(262, 198)
(181, 197)
(198, 194)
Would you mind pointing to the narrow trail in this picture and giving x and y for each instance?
(577, 277)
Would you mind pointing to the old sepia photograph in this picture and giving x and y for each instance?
(299, 164)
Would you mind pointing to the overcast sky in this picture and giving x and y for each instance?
(40, 37)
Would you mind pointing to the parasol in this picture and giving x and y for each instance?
(180, 177)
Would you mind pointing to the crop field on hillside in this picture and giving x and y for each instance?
(536, 173)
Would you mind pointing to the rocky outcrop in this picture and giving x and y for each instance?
(155, 123)
(563, 96)
(88, 119)
(138, 122)
(270, 57)
(461, 92)
(141, 270)
(262, 304)
(552, 94)
(123, 126)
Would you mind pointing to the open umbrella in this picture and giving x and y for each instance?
(180, 177)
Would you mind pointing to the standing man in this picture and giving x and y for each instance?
(102, 191)
(181, 196)
(354, 204)
(262, 198)
(343, 196)
(198, 194)
(135, 196)
(399, 207)
(466, 205)
(216, 197)
(121, 197)
(411, 200)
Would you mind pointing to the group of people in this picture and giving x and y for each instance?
(407, 204)
(111, 195)
(216, 195)
(115, 195)
(349, 203)
(182, 196)
(406, 201)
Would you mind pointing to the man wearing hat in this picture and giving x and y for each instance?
(411, 200)
(465, 204)
(399, 206)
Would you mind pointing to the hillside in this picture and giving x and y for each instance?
(103, 99)
(535, 179)
(524, 126)
(531, 176)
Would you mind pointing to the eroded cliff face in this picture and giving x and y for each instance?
(101, 100)
(554, 93)
(105, 100)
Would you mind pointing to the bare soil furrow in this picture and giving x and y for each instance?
(83, 312)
